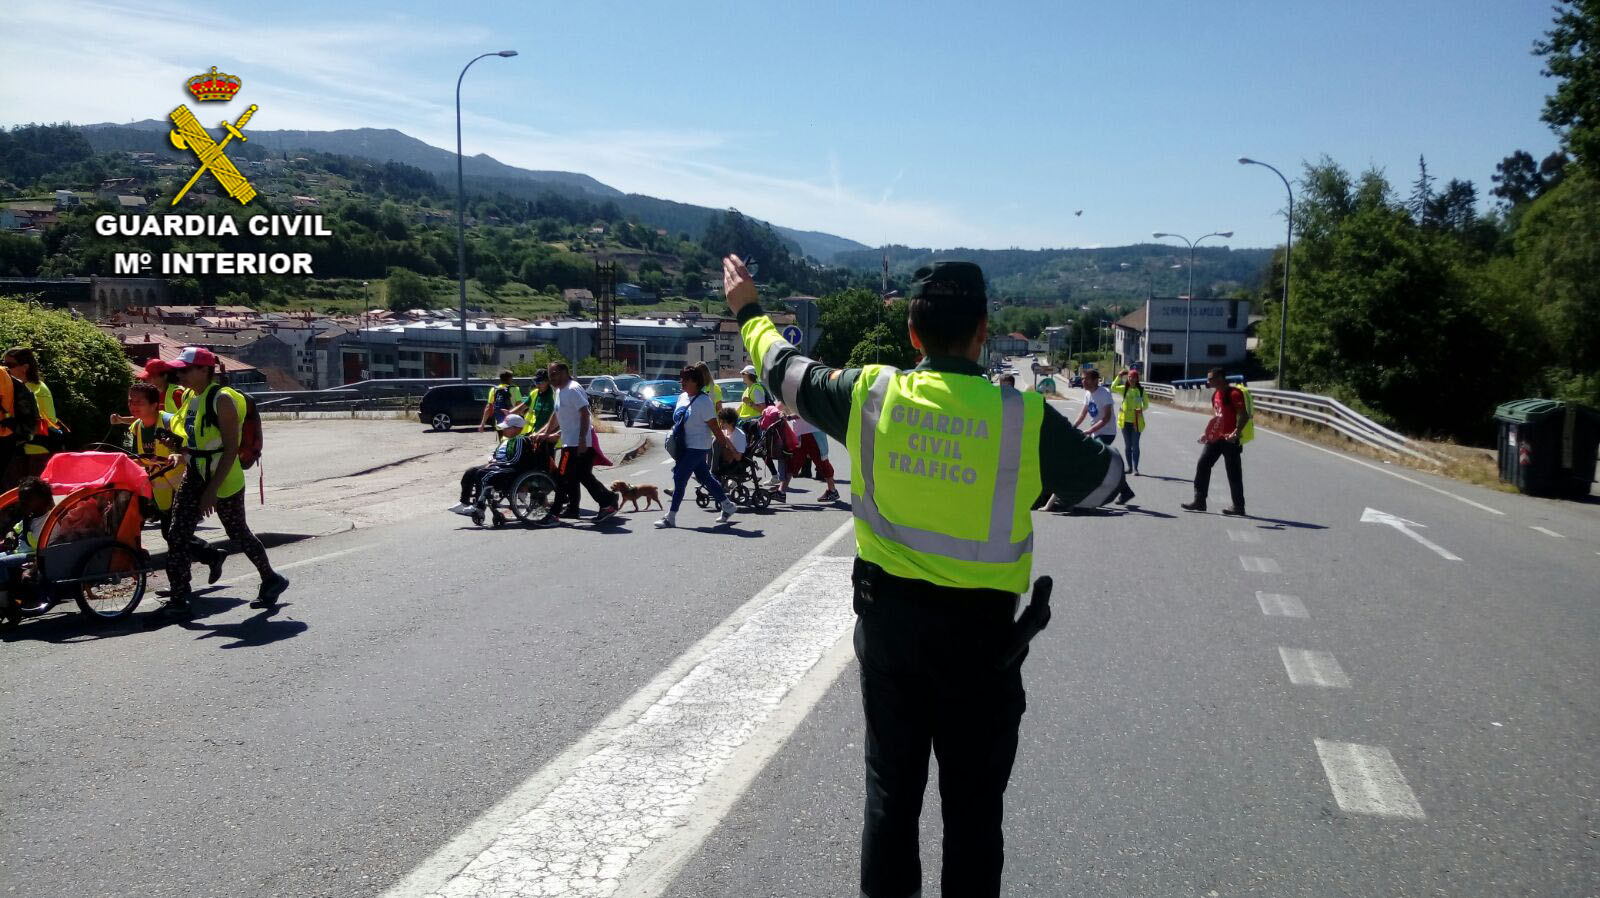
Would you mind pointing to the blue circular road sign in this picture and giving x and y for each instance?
(792, 334)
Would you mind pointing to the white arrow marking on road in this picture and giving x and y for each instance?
(1374, 516)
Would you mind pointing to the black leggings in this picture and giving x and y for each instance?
(180, 534)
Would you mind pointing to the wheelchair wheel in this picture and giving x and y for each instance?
(702, 498)
(111, 581)
(736, 491)
(530, 497)
(760, 498)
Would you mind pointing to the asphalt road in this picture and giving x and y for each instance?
(433, 687)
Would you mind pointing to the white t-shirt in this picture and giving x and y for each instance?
(1098, 402)
(800, 426)
(737, 438)
(694, 416)
(571, 400)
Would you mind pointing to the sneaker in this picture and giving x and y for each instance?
(604, 513)
(1196, 505)
(176, 609)
(462, 509)
(1232, 511)
(665, 522)
(214, 569)
(728, 508)
(270, 591)
(1123, 497)
(829, 496)
(778, 496)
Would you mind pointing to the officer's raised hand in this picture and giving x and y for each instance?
(737, 285)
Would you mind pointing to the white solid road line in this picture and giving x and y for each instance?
(1547, 531)
(1244, 536)
(1279, 605)
(1312, 668)
(1366, 780)
(1382, 470)
(639, 784)
(1258, 565)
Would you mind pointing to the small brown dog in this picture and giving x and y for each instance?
(634, 492)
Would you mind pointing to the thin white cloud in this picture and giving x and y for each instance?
(353, 74)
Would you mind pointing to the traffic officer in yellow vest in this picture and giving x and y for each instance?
(211, 422)
(946, 468)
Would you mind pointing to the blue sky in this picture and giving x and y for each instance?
(931, 123)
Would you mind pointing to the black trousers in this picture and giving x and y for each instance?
(930, 680)
(1229, 451)
(577, 468)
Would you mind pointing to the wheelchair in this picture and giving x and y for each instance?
(529, 496)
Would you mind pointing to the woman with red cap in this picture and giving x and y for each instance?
(211, 419)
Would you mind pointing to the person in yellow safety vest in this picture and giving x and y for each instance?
(755, 395)
(211, 422)
(24, 366)
(505, 396)
(946, 468)
(1130, 414)
(712, 389)
(153, 433)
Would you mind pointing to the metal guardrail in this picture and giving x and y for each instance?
(1323, 411)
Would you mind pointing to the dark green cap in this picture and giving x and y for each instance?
(949, 280)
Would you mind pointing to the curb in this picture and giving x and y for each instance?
(638, 450)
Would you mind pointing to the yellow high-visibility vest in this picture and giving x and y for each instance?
(948, 468)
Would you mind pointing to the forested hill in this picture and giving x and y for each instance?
(482, 171)
(1084, 276)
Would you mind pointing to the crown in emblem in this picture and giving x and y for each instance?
(214, 86)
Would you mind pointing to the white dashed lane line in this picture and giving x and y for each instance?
(1258, 565)
(1307, 667)
(1279, 605)
(1244, 536)
(1366, 780)
(1547, 531)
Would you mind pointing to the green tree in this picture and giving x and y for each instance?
(407, 290)
(491, 275)
(86, 370)
(542, 358)
(593, 366)
(845, 317)
(1557, 257)
(1571, 52)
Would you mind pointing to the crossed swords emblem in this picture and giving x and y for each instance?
(189, 135)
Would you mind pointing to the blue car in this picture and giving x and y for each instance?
(650, 403)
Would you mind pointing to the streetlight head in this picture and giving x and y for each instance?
(1160, 234)
(1246, 160)
(506, 53)
(1224, 233)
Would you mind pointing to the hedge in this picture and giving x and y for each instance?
(86, 370)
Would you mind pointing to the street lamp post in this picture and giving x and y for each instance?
(461, 215)
(1288, 249)
(1188, 304)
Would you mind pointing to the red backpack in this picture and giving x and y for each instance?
(250, 437)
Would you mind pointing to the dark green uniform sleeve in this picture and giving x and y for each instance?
(821, 394)
(1077, 469)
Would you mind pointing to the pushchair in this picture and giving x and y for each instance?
(741, 478)
(527, 490)
(89, 545)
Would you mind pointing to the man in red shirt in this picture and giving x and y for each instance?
(1221, 439)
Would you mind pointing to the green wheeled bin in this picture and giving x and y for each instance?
(1547, 447)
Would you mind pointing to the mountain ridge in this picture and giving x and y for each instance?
(393, 145)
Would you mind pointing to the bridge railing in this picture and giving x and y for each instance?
(1321, 411)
